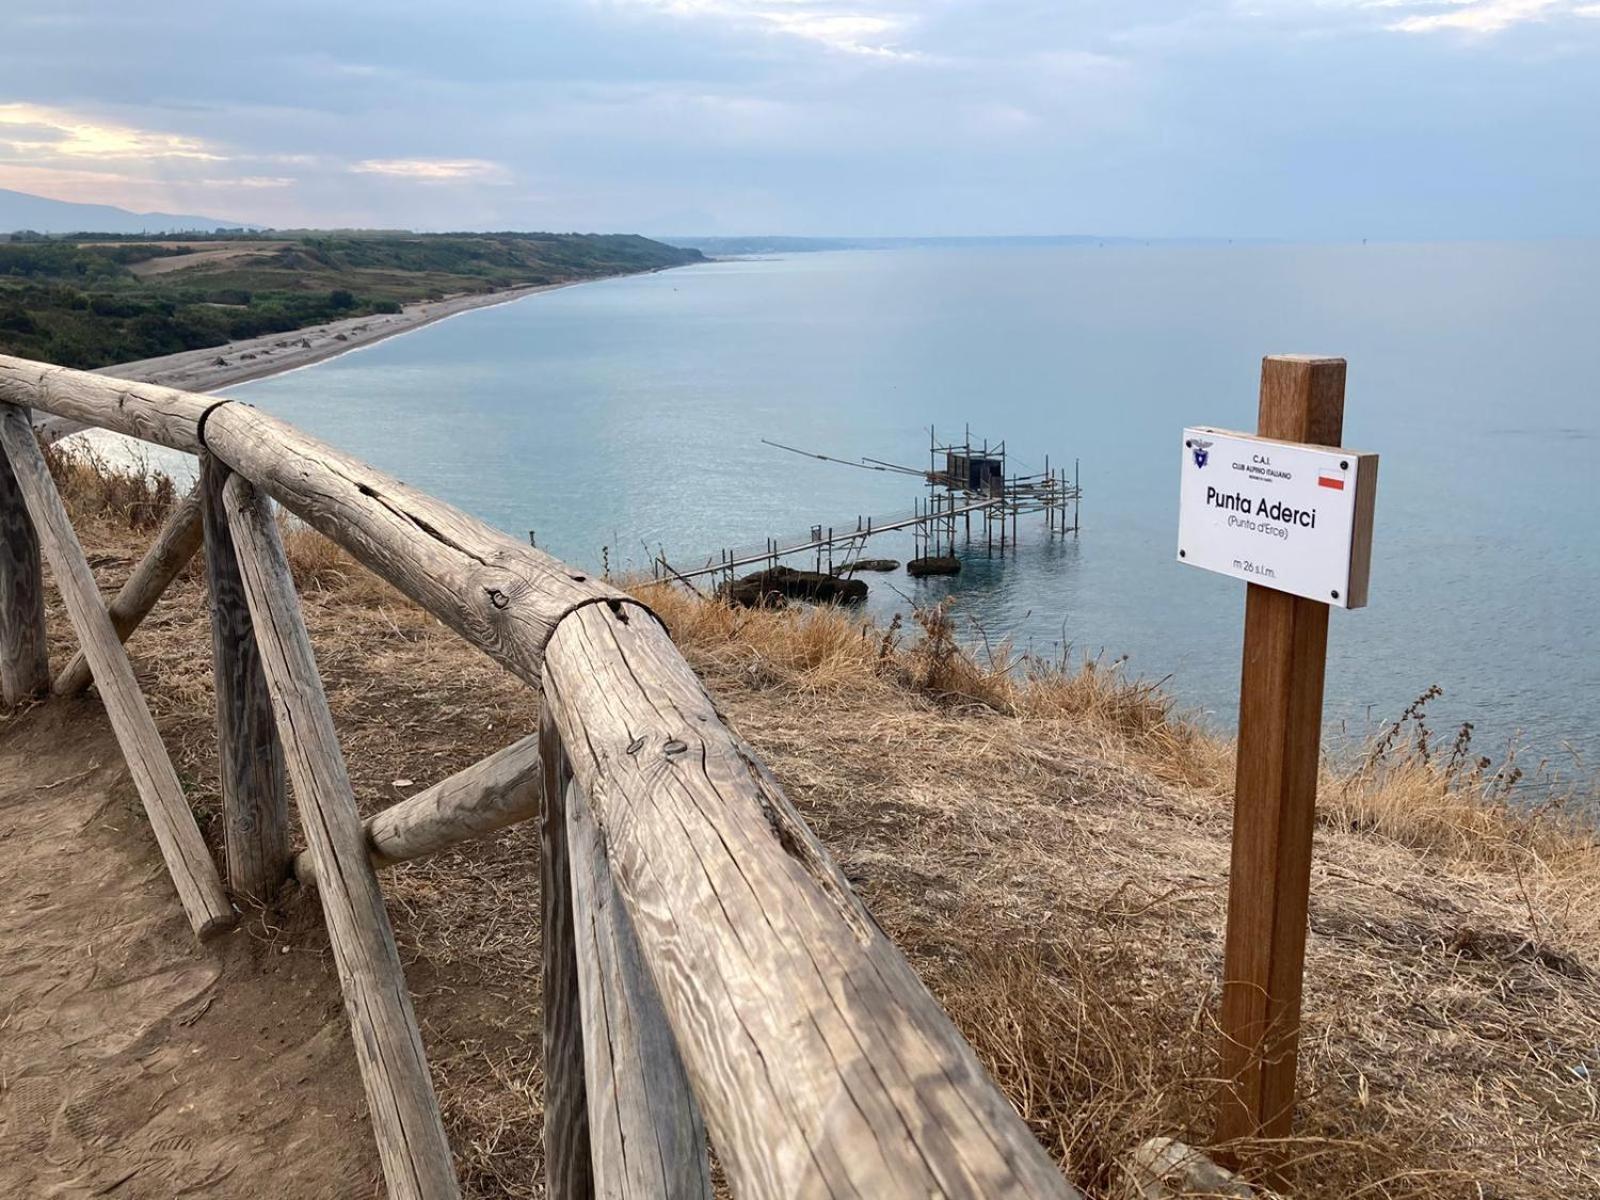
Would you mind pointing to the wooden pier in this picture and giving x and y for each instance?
(963, 479)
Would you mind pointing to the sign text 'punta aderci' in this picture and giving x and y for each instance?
(1286, 515)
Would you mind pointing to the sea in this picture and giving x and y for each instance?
(631, 418)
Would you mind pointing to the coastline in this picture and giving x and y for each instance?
(249, 359)
(255, 358)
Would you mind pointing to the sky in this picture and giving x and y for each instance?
(1301, 119)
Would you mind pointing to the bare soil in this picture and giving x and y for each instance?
(134, 1062)
(203, 254)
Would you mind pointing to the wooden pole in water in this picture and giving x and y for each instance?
(1275, 789)
(24, 660)
(1049, 498)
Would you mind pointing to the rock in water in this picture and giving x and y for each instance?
(934, 564)
(773, 588)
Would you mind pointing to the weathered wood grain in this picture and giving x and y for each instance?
(1275, 792)
(174, 545)
(822, 1065)
(568, 1161)
(147, 411)
(24, 656)
(255, 801)
(500, 790)
(647, 1137)
(394, 1071)
(193, 873)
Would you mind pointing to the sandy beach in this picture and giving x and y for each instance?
(219, 367)
(275, 353)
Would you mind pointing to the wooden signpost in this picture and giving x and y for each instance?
(1301, 518)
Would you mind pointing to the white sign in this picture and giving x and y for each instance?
(1288, 516)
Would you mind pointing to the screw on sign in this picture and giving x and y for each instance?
(1290, 512)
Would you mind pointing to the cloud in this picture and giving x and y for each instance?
(1440, 117)
(251, 182)
(1324, 17)
(845, 30)
(1479, 16)
(851, 33)
(433, 170)
(45, 132)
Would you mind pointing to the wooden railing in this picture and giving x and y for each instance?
(708, 970)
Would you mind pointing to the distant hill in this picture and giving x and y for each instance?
(99, 299)
(40, 214)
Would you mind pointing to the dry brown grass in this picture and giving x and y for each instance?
(121, 496)
(1050, 843)
(1399, 786)
(1049, 846)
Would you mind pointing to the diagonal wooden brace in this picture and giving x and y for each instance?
(188, 861)
(394, 1070)
(171, 551)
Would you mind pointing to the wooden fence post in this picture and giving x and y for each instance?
(24, 660)
(255, 804)
(394, 1070)
(1275, 789)
(647, 1137)
(569, 1172)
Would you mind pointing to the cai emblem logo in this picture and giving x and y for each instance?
(1201, 450)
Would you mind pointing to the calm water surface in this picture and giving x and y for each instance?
(629, 414)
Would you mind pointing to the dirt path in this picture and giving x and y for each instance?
(202, 254)
(135, 1063)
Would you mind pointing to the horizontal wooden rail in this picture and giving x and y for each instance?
(146, 411)
(821, 1064)
(491, 794)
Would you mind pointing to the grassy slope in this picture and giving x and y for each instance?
(1051, 852)
(89, 304)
